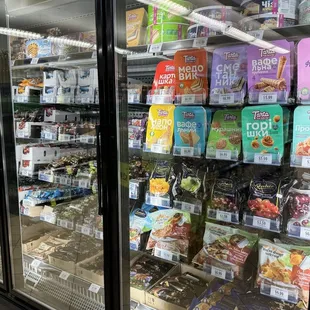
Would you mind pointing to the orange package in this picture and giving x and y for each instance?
(191, 69)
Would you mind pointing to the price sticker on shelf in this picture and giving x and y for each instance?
(264, 159)
(224, 155)
(157, 148)
(218, 272)
(261, 222)
(305, 161)
(99, 234)
(49, 135)
(64, 275)
(223, 216)
(305, 233)
(34, 61)
(94, 54)
(94, 288)
(277, 292)
(257, 34)
(200, 42)
(155, 48)
(12, 63)
(156, 201)
(226, 99)
(267, 97)
(187, 151)
(167, 255)
(187, 99)
(35, 263)
(85, 230)
(26, 211)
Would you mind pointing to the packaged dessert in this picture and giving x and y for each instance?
(269, 74)
(262, 134)
(225, 137)
(225, 251)
(191, 69)
(304, 16)
(166, 32)
(136, 21)
(229, 76)
(303, 85)
(38, 48)
(136, 130)
(163, 88)
(284, 272)
(220, 12)
(170, 234)
(160, 128)
(190, 127)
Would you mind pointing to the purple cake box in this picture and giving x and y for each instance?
(303, 71)
(269, 74)
(229, 76)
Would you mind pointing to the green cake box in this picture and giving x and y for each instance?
(263, 134)
(224, 141)
(166, 32)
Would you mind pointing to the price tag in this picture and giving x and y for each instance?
(83, 183)
(165, 254)
(85, 230)
(267, 97)
(130, 143)
(35, 263)
(64, 275)
(187, 151)
(94, 54)
(188, 99)
(280, 293)
(63, 180)
(188, 207)
(200, 42)
(305, 233)
(49, 135)
(26, 211)
(305, 161)
(12, 63)
(94, 288)
(264, 159)
(227, 99)
(99, 234)
(155, 48)
(224, 155)
(257, 34)
(34, 61)
(223, 216)
(157, 148)
(218, 272)
(261, 222)
(156, 201)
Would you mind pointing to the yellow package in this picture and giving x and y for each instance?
(160, 126)
(136, 21)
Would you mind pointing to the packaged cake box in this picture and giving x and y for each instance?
(225, 135)
(229, 76)
(269, 74)
(262, 134)
(303, 70)
(38, 48)
(136, 21)
(191, 69)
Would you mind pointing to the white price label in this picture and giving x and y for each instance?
(223, 216)
(26, 211)
(48, 135)
(64, 275)
(265, 159)
(85, 230)
(94, 288)
(35, 263)
(34, 61)
(155, 48)
(20, 134)
(188, 207)
(188, 99)
(200, 42)
(227, 99)
(225, 155)
(218, 272)
(305, 233)
(83, 183)
(277, 292)
(94, 54)
(157, 148)
(156, 201)
(187, 151)
(12, 63)
(63, 180)
(261, 222)
(165, 254)
(267, 97)
(130, 143)
(257, 34)
(305, 161)
(99, 235)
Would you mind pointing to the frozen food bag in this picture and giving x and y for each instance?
(229, 76)
(269, 74)
(284, 272)
(191, 69)
(262, 134)
(303, 64)
(160, 125)
(189, 131)
(225, 137)
(163, 88)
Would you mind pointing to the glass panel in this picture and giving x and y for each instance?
(218, 133)
(57, 234)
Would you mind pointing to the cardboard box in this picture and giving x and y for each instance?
(53, 115)
(38, 48)
(40, 154)
(66, 94)
(68, 78)
(49, 94)
(51, 78)
(85, 94)
(136, 22)
(88, 77)
(28, 129)
(29, 245)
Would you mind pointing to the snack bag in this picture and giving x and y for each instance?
(269, 74)
(170, 233)
(191, 69)
(159, 132)
(303, 63)
(225, 135)
(229, 76)
(284, 272)
(189, 131)
(225, 251)
(262, 134)
(136, 130)
(163, 88)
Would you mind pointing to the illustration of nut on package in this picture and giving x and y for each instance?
(225, 251)
(284, 272)
(269, 74)
(190, 126)
(262, 134)
(191, 69)
(160, 125)
(163, 87)
(303, 63)
(136, 22)
(229, 76)
(225, 135)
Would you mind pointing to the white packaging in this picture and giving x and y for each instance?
(85, 94)
(49, 94)
(68, 78)
(88, 77)
(28, 129)
(53, 115)
(66, 94)
(40, 154)
(51, 78)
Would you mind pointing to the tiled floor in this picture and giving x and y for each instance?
(5, 305)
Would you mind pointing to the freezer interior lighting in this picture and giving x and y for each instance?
(238, 34)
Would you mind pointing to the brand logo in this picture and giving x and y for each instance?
(265, 187)
(231, 55)
(260, 115)
(162, 113)
(224, 184)
(230, 117)
(188, 114)
(169, 68)
(132, 16)
(266, 53)
(189, 58)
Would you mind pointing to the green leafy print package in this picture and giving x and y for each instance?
(225, 135)
(262, 134)
(225, 251)
(284, 272)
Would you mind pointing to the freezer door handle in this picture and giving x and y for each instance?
(99, 170)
